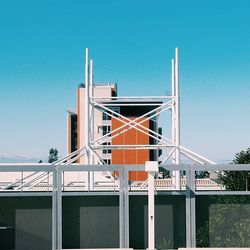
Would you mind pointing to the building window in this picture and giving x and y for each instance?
(116, 109)
(106, 117)
(107, 161)
(106, 130)
(106, 150)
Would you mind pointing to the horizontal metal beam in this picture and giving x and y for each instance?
(116, 193)
(145, 192)
(101, 167)
(138, 146)
(108, 104)
(26, 168)
(133, 97)
(208, 167)
(90, 193)
(11, 167)
(24, 194)
(222, 192)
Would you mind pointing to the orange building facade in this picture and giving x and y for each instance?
(130, 156)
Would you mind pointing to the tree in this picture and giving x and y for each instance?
(165, 173)
(237, 180)
(226, 222)
(53, 155)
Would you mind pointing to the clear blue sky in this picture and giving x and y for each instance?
(42, 61)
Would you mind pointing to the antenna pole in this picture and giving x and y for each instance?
(87, 121)
(177, 116)
(173, 121)
(91, 123)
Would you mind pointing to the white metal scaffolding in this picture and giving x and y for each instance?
(171, 146)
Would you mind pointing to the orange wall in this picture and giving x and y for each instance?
(130, 137)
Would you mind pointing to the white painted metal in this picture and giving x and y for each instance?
(128, 122)
(173, 106)
(177, 120)
(91, 123)
(92, 146)
(134, 98)
(173, 122)
(86, 107)
(151, 211)
(151, 167)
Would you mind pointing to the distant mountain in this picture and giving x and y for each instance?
(19, 159)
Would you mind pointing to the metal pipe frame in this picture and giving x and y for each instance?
(149, 132)
(133, 97)
(92, 102)
(130, 122)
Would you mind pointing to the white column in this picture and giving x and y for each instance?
(151, 211)
(177, 115)
(86, 116)
(151, 167)
(86, 122)
(173, 117)
(91, 122)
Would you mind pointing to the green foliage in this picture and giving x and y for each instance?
(228, 219)
(164, 244)
(202, 235)
(237, 180)
(165, 173)
(53, 155)
(227, 224)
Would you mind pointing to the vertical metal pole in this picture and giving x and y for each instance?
(151, 211)
(59, 208)
(190, 209)
(54, 212)
(91, 94)
(121, 209)
(126, 208)
(86, 132)
(177, 116)
(193, 210)
(173, 122)
(87, 127)
(91, 123)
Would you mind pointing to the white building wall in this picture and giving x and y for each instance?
(104, 90)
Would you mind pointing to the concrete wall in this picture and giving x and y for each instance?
(25, 223)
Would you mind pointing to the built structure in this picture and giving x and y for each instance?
(96, 196)
(109, 129)
(115, 147)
